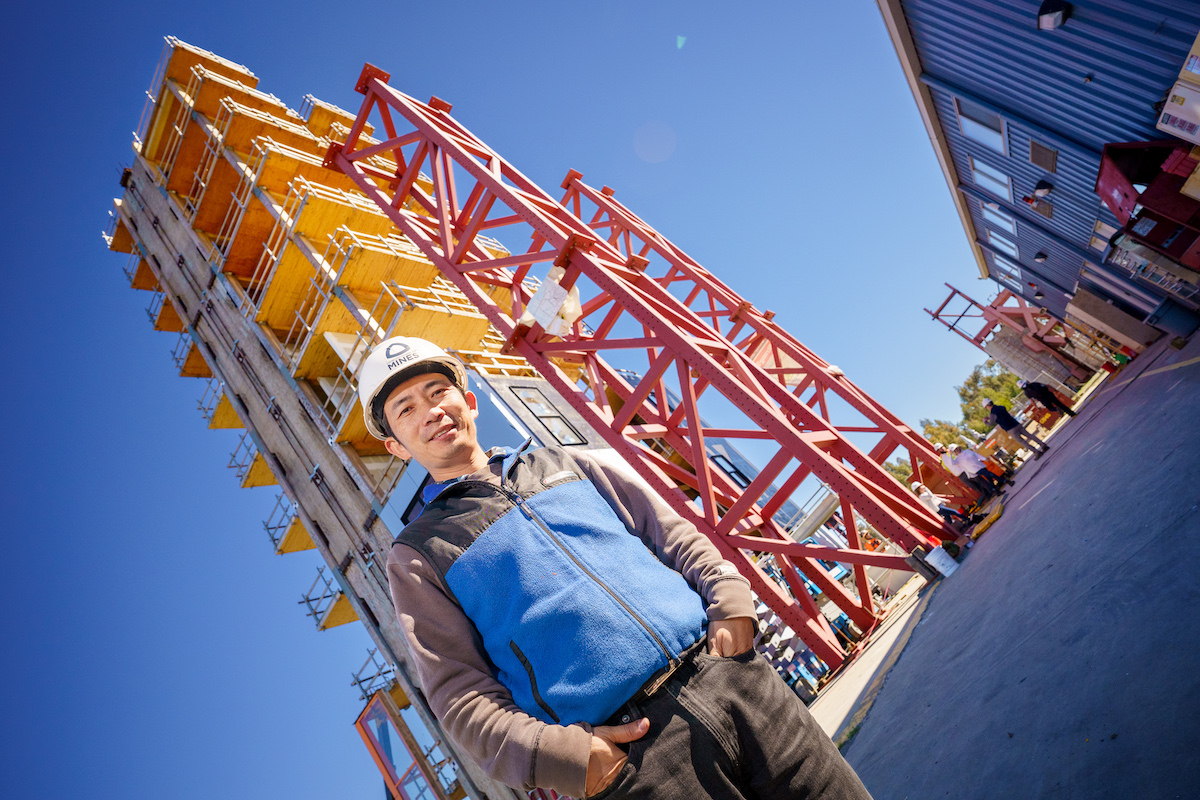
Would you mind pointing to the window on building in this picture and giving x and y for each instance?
(1042, 156)
(992, 179)
(981, 125)
(548, 415)
(1006, 272)
(730, 469)
(1003, 244)
(998, 219)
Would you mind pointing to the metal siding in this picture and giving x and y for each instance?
(992, 52)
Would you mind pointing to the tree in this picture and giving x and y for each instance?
(989, 380)
(943, 431)
(900, 468)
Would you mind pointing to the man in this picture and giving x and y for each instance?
(570, 631)
(958, 470)
(975, 468)
(998, 415)
(1046, 396)
(935, 504)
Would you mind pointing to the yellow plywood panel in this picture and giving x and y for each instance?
(319, 360)
(288, 287)
(214, 203)
(194, 365)
(280, 164)
(168, 318)
(327, 208)
(122, 239)
(398, 696)
(354, 432)
(143, 278)
(184, 56)
(165, 111)
(256, 223)
(206, 90)
(339, 613)
(184, 166)
(259, 474)
(241, 125)
(363, 261)
(224, 417)
(322, 116)
(295, 539)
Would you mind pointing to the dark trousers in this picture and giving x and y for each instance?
(730, 728)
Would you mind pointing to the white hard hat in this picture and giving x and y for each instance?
(391, 363)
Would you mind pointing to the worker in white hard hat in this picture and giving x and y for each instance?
(558, 650)
(444, 442)
(999, 415)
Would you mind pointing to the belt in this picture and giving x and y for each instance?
(631, 708)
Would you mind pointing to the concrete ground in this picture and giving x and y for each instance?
(1063, 659)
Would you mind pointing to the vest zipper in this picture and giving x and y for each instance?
(520, 502)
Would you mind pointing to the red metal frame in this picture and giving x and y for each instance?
(1036, 325)
(647, 303)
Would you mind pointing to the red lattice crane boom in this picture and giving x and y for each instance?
(649, 308)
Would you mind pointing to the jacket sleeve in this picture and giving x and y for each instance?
(475, 709)
(675, 541)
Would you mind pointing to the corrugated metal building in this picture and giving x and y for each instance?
(1019, 116)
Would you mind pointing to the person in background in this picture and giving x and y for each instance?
(959, 470)
(934, 504)
(998, 415)
(976, 468)
(1046, 396)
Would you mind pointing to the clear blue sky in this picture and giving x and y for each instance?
(152, 645)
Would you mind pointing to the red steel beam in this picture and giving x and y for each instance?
(683, 324)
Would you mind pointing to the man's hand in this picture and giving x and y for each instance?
(606, 759)
(730, 637)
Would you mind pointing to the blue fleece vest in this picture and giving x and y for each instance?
(575, 613)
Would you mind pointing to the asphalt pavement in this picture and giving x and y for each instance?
(1062, 660)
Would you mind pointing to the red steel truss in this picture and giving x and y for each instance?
(1040, 332)
(649, 308)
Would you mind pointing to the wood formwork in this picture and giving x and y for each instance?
(320, 117)
(295, 539)
(168, 319)
(224, 416)
(143, 277)
(236, 129)
(194, 365)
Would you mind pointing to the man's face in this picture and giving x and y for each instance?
(434, 422)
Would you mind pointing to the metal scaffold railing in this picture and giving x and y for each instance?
(616, 295)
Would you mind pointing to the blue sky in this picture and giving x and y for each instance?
(152, 644)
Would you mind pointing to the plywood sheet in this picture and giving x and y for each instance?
(339, 613)
(259, 474)
(143, 278)
(194, 365)
(224, 417)
(168, 318)
(295, 539)
(184, 56)
(122, 240)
